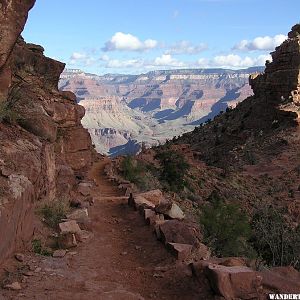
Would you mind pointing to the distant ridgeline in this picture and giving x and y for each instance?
(153, 107)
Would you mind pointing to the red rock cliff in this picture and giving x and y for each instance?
(44, 147)
(280, 82)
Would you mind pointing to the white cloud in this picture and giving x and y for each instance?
(233, 61)
(104, 57)
(186, 47)
(128, 42)
(166, 60)
(82, 59)
(78, 56)
(261, 43)
(119, 64)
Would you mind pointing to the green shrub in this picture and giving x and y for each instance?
(53, 212)
(275, 241)
(7, 114)
(174, 168)
(134, 171)
(226, 229)
(38, 248)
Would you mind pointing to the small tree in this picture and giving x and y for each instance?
(226, 228)
(174, 167)
(134, 171)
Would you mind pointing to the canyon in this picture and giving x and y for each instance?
(132, 227)
(127, 112)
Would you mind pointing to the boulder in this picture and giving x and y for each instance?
(154, 196)
(20, 257)
(234, 282)
(201, 252)
(175, 212)
(84, 188)
(155, 220)
(67, 241)
(79, 215)
(141, 202)
(198, 267)
(174, 231)
(69, 227)
(149, 216)
(164, 206)
(180, 251)
(170, 209)
(281, 280)
(233, 262)
(15, 286)
(59, 253)
(83, 236)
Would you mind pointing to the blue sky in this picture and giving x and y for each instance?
(134, 36)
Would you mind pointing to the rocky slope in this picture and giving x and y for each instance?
(247, 156)
(124, 111)
(44, 149)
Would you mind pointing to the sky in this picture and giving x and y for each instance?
(137, 36)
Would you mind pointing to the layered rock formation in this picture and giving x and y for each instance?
(43, 146)
(281, 81)
(155, 106)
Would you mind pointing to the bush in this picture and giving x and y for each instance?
(7, 114)
(53, 212)
(174, 168)
(135, 172)
(275, 241)
(39, 249)
(226, 229)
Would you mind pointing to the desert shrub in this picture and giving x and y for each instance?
(53, 212)
(275, 241)
(7, 114)
(38, 248)
(226, 229)
(174, 168)
(134, 171)
(250, 157)
(8, 111)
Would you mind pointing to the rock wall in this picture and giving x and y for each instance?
(43, 146)
(281, 80)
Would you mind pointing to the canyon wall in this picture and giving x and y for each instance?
(125, 111)
(43, 147)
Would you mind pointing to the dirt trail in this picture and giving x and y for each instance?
(122, 261)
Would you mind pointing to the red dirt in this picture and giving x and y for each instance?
(122, 261)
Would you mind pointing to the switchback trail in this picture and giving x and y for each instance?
(123, 261)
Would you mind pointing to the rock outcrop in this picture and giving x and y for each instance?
(280, 82)
(13, 15)
(274, 107)
(43, 146)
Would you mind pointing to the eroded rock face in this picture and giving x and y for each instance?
(13, 15)
(281, 80)
(46, 147)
